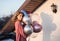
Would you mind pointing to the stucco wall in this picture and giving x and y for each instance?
(49, 21)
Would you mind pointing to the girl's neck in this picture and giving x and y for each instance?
(19, 20)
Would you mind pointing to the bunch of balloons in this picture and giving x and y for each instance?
(28, 29)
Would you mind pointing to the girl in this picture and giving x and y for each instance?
(20, 36)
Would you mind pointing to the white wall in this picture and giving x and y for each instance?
(49, 20)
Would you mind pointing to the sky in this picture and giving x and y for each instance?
(9, 6)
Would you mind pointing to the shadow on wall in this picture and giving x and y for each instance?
(48, 26)
(57, 38)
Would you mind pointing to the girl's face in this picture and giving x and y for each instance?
(20, 16)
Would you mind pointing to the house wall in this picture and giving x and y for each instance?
(50, 22)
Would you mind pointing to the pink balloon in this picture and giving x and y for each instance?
(36, 27)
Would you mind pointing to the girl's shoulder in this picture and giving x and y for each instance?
(17, 22)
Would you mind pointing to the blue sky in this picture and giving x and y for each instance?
(9, 6)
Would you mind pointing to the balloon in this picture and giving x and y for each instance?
(27, 29)
(24, 12)
(25, 19)
(23, 24)
(36, 27)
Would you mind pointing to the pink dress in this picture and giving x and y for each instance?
(19, 32)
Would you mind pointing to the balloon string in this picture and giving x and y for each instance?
(29, 38)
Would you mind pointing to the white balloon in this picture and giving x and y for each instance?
(27, 20)
(27, 29)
